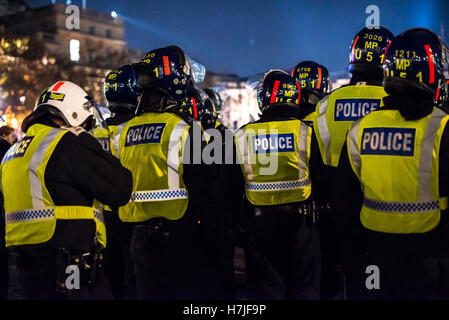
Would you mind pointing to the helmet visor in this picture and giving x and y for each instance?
(91, 106)
(197, 69)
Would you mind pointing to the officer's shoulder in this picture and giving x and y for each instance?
(74, 130)
(181, 116)
(78, 135)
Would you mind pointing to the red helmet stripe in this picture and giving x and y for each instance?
(438, 94)
(275, 91)
(195, 108)
(299, 92)
(353, 47)
(319, 78)
(166, 65)
(386, 50)
(58, 85)
(431, 63)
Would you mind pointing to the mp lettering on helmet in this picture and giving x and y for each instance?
(52, 95)
(273, 143)
(146, 133)
(18, 149)
(354, 109)
(388, 141)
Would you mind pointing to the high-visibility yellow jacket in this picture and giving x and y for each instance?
(30, 212)
(274, 158)
(397, 163)
(337, 111)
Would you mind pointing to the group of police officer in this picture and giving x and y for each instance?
(325, 188)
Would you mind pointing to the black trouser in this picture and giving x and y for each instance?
(171, 262)
(38, 277)
(332, 284)
(118, 267)
(4, 272)
(283, 254)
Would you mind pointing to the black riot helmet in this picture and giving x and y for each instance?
(367, 51)
(168, 68)
(313, 79)
(414, 65)
(121, 89)
(277, 87)
(193, 103)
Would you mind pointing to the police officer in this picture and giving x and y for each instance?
(314, 81)
(218, 135)
(173, 193)
(393, 175)
(279, 161)
(123, 94)
(50, 180)
(334, 115)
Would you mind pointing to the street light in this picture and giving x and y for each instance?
(114, 14)
(22, 99)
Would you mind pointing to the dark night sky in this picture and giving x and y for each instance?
(251, 36)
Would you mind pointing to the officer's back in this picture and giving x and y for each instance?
(337, 111)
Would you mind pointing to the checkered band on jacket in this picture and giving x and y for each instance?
(99, 215)
(159, 195)
(275, 186)
(28, 215)
(403, 207)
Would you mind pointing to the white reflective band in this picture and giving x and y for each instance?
(276, 186)
(302, 150)
(116, 140)
(324, 130)
(353, 137)
(402, 207)
(173, 155)
(242, 143)
(426, 155)
(36, 160)
(159, 195)
(29, 215)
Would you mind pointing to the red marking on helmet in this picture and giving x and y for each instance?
(275, 91)
(293, 71)
(195, 108)
(299, 92)
(386, 50)
(438, 94)
(353, 47)
(58, 85)
(166, 65)
(319, 78)
(431, 63)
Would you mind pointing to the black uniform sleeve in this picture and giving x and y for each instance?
(346, 199)
(233, 184)
(320, 188)
(200, 179)
(95, 172)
